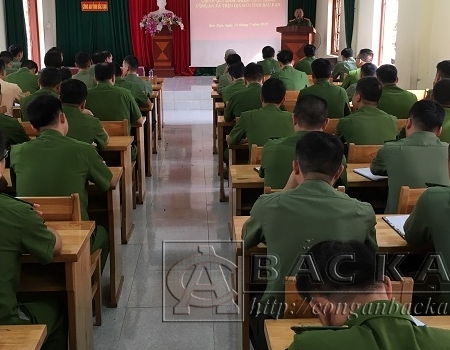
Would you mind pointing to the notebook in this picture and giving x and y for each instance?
(256, 168)
(397, 222)
(368, 174)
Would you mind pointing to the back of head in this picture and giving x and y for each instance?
(66, 73)
(253, 73)
(98, 57)
(427, 115)
(104, 71)
(319, 153)
(236, 70)
(43, 111)
(273, 91)
(228, 53)
(268, 52)
(50, 77)
(365, 55)
(347, 52)
(369, 88)
(107, 54)
(387, 74)
(311, 112)
(2, 65)
(334, 259)
(233, 58)
(285, 57)
(368, 70)
(82, 60)
(321, 68)
(118, 69)
(443, 68)
(73, 91)
(30, 65)
(441, 92)
(309, 50)
(15, 49)
(132, 62)
(6, 56)
(53, 59)
(55, 49)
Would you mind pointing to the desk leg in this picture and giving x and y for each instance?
(162, 105)
(221, 141)
(127, 195)
(148, 145)
(78, 278)
(141, 165)
(159, 116)
(154, 134)
(214, 127)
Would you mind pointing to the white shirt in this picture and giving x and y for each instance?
(10, 93)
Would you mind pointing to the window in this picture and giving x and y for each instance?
(336, 28)
(388, 34)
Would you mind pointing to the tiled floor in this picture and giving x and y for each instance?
(182, 203)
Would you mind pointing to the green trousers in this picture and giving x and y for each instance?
(100, 240)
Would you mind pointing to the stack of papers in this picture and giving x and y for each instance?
(368, 174)
(397, 222)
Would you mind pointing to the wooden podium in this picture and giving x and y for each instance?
(294, 38)
(162, 54)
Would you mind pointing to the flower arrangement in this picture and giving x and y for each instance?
(153, 23)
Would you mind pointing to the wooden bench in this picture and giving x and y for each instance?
(331, 126)
(27, 337)
(362, 153)
(154, 99)
(215, 98)
(290, 100)
(148, 139)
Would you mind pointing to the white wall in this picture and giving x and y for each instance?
(324, 14)
(47, 24)
(366, 32)
(2, 27)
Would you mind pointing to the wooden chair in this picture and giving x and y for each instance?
(270, 190)
(68, 209)
(361, 153)
(291, 100)
(29, 129)
(255, 155)
(420, 94)
(16, 112)
(408, 199)
(401, 123)
(402, 291)
(331, 126)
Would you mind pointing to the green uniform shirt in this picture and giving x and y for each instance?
(386, 326)
(220, 70)
(305, 22)
(344, 67)
(351, 78)
(26, 80)
(367, 126)
(25, 101)
(230, 90)
(351, 91)
(92, 70)
(445, 135)
(143, 85)
(292, 221)
(413, 161)
(111, 103)
(22, 231)
(396, 101)
(224, 80)
(84, 127)
(138, 94)
(17, 64)
(304, 65)
(270, 66)
(85, 77)
(56, 165)
(276, 161)
(261, 124)
(335, 96)
(10, 70)
(244, 100)
(292, 78)
(12, 130)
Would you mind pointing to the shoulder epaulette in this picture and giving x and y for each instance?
(301, 329)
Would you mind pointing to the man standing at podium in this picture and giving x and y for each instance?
(299, 20)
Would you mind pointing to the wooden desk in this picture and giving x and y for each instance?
(154, 100)
(214, 86)
(215, 98)
(138, 131)
(279, 334)
(159, 89)
(215, 80)
(70, 271)
(29, 337)
(356, 180)
(223, 129)
(148, 139)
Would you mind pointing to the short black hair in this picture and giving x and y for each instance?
(118, 69)
(99, 57)
(73, 91)
(66, 73)
(236, 70)
(285, 56)
(6, 56)
(441, 92)
(309, 50)
(233, 58)
(319, 152)
(55, 49)
(2, 65)
(387, 74)
(254, 72)
(369, 70)
(104, 71)
(369, 88)
(347, 52)
(43, 111)
(366, 55)
(30, 65)
(321, 68)
(82, 60)
(443, 68)
(427, 115)
(15, 49)
(273, 91)
(132, 61)
(53, 59)
(268, 52)
(360, 263)
(311, 111)
(106, 53)
(50, 77)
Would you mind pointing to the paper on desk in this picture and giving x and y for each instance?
(256, 168)
(368, 174)
(397, 222)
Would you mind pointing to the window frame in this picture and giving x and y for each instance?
(336, 27)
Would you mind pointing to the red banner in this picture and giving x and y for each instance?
(94, 6)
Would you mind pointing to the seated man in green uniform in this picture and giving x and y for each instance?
(299, 19)
(304, 65)
(347, 64)
(56, 165)
(139, 95)
(83, 63)
(418, 159)
(368, 125)
(335, 96)
(24, 232)
(130, 67)
(26, 77)
(363, 307)
(292, 221)
(248, 98)
(441, 94)
(49, 82)
(100, 57)
(221, 67)
(236, 72)
(257, 126)
(394, 100)
(17, 52)
(442, 72)
(367, 70)
(8, 58)
(82, 127)
(269, 64)
(225, 78)
(292, 78)
(66, 73)
(364, 56)
(13, 131)
(310, 114)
